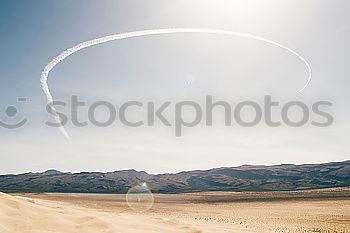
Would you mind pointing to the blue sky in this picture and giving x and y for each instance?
(158, 68)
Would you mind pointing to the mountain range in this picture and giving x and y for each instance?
(282, 177)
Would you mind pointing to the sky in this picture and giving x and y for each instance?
(171, 68)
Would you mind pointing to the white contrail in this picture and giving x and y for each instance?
(66, 53)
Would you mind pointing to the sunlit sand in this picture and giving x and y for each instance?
(303, 211)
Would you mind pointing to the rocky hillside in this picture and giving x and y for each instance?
(243, 178)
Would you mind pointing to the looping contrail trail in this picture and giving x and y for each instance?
(68, 52)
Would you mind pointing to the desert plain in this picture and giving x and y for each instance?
(323, 210)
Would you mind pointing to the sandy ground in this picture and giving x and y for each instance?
(300, 211)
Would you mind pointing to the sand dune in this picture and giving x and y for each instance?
(25, 215)
(325, 211)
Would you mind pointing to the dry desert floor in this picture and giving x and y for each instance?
(326, 210)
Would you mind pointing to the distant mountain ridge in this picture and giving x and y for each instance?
(242, 178)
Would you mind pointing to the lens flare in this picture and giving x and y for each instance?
(140, 198)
